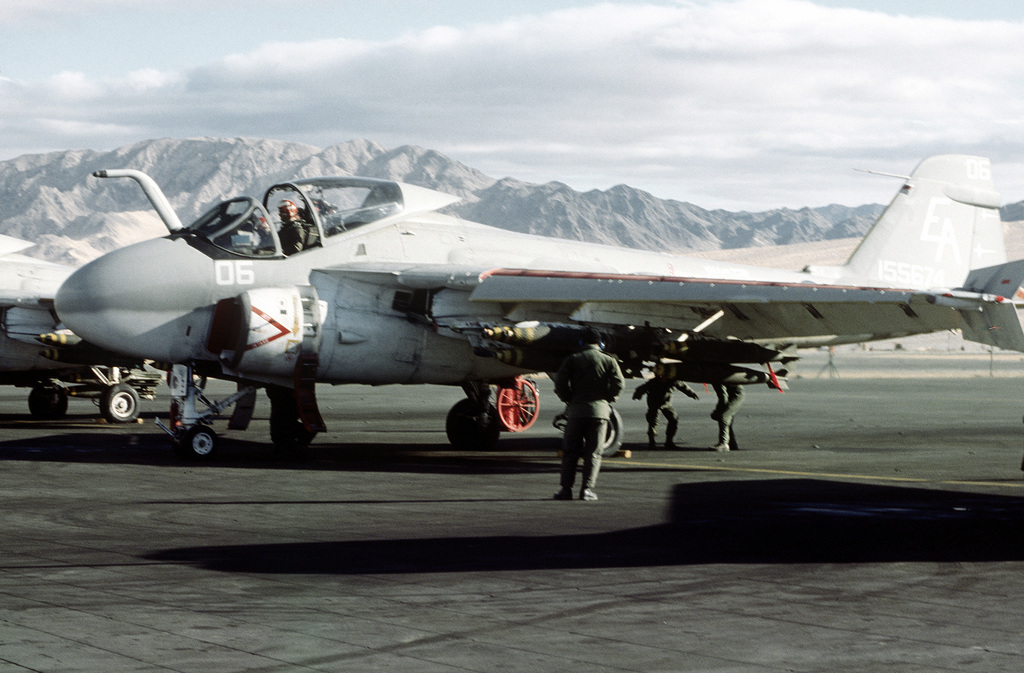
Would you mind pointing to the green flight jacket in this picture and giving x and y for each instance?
(588, 382)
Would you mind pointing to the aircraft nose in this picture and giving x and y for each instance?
(145, 300)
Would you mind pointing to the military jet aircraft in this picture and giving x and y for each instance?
(353, 280)
(27, 288)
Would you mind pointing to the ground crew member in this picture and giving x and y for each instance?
(588, 382)
(659, 402)
(730, 397)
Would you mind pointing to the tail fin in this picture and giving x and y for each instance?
(943, 222)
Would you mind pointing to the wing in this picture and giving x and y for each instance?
(801, 314)
(25, 281)
(704, 329)
(781, 314)
(27, 287)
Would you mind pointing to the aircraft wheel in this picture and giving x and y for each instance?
(469, 430)
(48, 403)
(612, 432)
(518, 405)
(119, 403)
(198, 443)
(612, 435)
(289, 436)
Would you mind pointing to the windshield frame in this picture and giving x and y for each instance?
(245, 221)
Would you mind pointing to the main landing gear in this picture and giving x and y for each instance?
(48, 402)
(476, 422)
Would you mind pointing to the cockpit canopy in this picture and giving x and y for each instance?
(240, 226)
(297, 215)
(338, 204)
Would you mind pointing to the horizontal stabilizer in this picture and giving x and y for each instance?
(997, 323)
(1004, 280)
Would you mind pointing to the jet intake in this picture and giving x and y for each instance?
(265, 330)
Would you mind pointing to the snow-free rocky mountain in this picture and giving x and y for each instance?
(51, 199)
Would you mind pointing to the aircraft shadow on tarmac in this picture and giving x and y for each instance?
(131, 445)
(766, 521)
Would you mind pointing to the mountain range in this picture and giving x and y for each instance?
(51, 200)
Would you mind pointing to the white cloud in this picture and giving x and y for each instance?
(738, 104)
(71, 87)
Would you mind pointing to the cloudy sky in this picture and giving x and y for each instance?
(738, 104)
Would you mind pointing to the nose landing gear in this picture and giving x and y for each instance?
(191, 434)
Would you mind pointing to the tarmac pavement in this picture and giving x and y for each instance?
(871, 522)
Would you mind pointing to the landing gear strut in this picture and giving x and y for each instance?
(190, 432)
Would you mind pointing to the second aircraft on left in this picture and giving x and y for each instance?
(37, 353)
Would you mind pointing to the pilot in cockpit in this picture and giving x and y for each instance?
(296, 232)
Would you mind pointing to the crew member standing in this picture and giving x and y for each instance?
(588, 382)
(730, 397)
(659, 402)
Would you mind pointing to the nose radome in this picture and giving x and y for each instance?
(85, 301)
(129, 301)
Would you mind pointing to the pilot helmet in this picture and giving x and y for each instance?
(288, 211)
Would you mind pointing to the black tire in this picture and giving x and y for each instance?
(289, 436)
(612, 435)
(467, 432)
(198, 443)
(48, 403)
(119, 403)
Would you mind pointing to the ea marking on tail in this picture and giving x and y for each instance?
(939, 229)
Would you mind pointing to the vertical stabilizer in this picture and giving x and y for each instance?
(943, 222)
